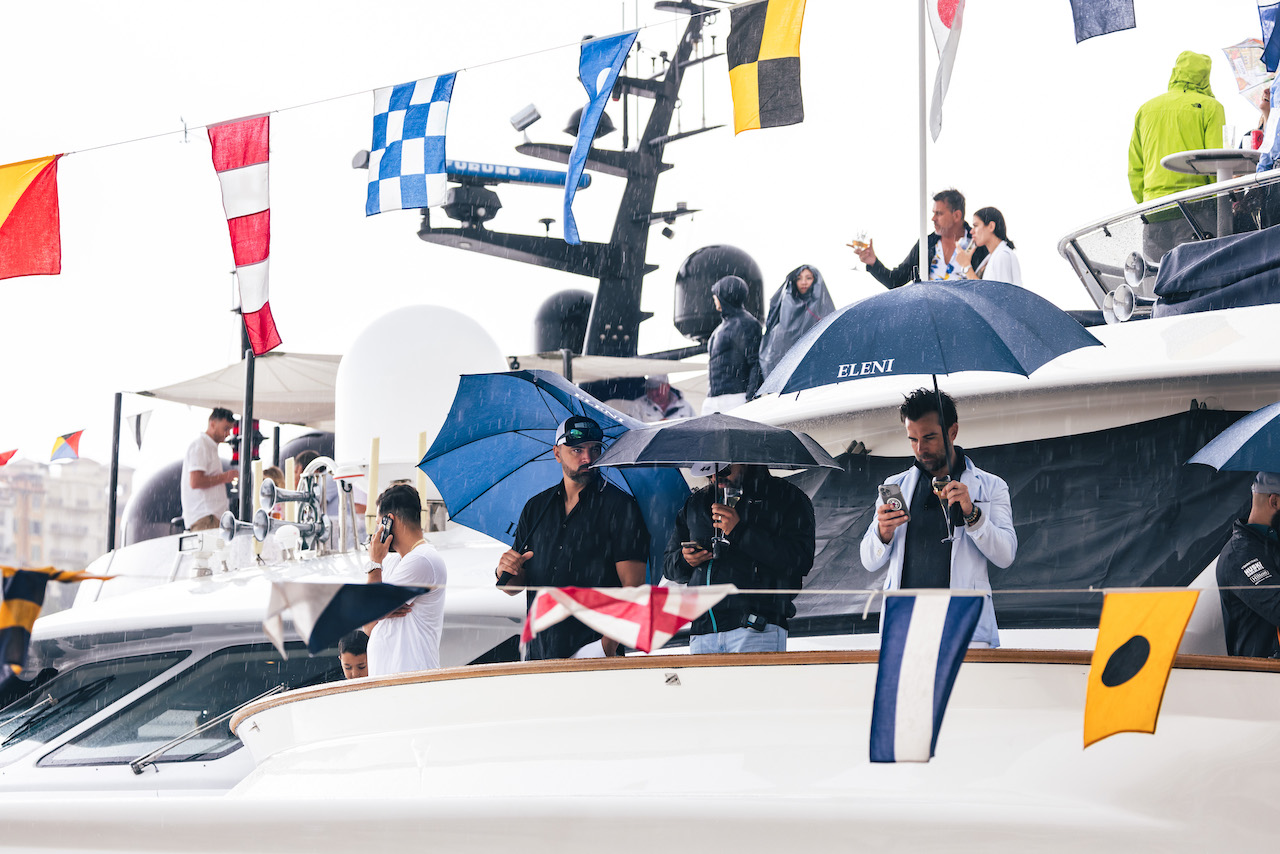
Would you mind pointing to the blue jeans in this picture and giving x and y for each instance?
(772, 639)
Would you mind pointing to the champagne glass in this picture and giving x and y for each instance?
(858, 244)
(939, 484)
(732, 495)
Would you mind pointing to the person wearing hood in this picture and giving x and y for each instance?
(794, 309)
(733, 369)
(1185, 118)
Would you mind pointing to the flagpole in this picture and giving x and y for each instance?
(115, 476)
(246, 443)
(923, 258)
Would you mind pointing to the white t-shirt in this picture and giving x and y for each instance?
(1002, 266)
(202, 455)
(412, 642)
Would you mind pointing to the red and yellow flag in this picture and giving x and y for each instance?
(30, 240)
(1138, 636)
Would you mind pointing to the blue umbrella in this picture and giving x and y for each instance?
(494, 453)
(931, 328)
(1251, 444)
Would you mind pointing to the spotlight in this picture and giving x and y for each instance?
(525, 117)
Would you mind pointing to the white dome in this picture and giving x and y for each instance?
(399, 378)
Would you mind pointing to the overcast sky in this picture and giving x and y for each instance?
(1035, 125)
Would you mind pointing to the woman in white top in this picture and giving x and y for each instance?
(1001, 263)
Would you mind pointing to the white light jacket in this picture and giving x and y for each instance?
(991, 539)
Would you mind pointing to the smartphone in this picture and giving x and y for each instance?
(693, 544)
(384, 530)
(891, 494)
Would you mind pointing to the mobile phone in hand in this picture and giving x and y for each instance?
(891, 494)
(384, 530)
(693, 544)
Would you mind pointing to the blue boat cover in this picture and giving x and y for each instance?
(1226, 272)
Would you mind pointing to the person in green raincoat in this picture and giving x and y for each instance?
(1185, 118)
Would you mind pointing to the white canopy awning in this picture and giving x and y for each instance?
(288, 388)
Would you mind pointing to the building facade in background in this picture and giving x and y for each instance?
(56, 515)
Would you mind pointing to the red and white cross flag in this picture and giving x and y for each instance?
(945, 17)
(643, 617)
(240, 153)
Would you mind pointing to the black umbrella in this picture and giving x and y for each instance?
(716, 438)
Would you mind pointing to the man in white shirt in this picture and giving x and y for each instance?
(204, 493)
(408, 638)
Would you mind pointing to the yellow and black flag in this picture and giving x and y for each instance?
(1138, 637)
(23, 599)
(764, 64)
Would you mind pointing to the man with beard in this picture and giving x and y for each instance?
(770, 533)
(912, 540)
(1250, 563)
(582, 532)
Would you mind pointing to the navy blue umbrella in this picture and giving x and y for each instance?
(494, 453)
(1251, 444)
(931, 328)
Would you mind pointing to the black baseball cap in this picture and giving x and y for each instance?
(578, 430)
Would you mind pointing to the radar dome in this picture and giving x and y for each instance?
(695, 315)
(399, 378)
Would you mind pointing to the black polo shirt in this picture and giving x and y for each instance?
(577, 550)
(926, 561)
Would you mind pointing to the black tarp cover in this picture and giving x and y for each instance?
(1118, 507)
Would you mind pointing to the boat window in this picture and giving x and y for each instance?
(200, 693)
(73, 697)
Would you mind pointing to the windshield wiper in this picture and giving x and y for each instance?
(48, 700)
(150, 758)
(68, 702)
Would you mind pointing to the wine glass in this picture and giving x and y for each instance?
(859, 242)
(939, 484)
(732, 495)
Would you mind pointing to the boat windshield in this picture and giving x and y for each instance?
(73, 697)
(200, 693)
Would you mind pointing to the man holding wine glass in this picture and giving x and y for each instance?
(942, 535)
(751, 529)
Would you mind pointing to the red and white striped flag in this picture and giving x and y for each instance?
(643, 617)
(240, 153)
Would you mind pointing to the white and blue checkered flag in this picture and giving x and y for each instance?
(923, 639)
(406, 160)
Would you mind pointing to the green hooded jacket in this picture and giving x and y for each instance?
(1185, 118)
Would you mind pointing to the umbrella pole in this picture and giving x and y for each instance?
(942, 421)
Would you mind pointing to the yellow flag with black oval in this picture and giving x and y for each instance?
(1138, 636)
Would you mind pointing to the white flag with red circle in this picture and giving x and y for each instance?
(241, 150)
(643, 617)
(945, 17)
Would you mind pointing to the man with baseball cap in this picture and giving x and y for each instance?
(582, 532)
(1249, 575)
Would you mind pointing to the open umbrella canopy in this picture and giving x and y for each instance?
(494, 453)
(1251, 444)
(716, 438)
(931, 328)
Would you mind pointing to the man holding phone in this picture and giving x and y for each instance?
(942, 538)
(408, 638)
(582, 532)
(769, 530)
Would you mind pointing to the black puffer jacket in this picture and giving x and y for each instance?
(734, 348)
(770, 548)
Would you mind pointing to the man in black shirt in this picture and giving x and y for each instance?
(1250, 562)
(950, 232)
(582, 532)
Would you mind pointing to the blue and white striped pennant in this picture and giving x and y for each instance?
(923, 639)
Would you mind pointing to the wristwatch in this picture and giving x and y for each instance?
(372, 567)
